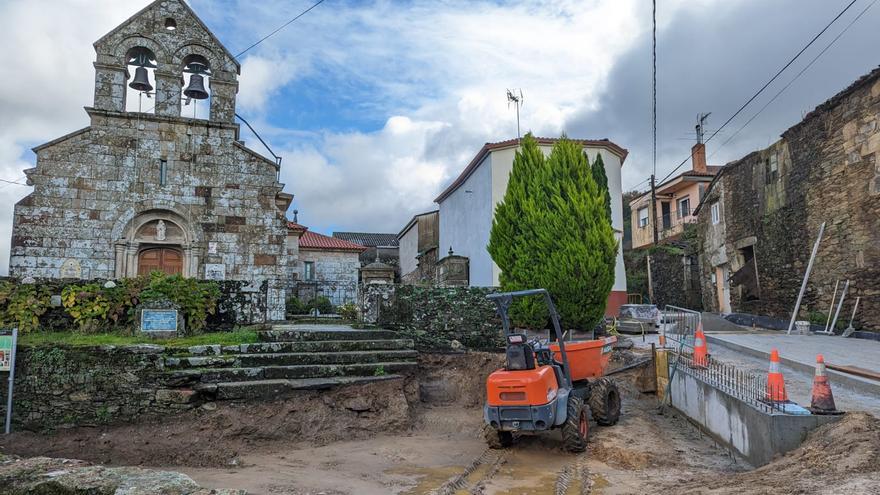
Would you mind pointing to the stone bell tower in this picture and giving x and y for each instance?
(159, 180)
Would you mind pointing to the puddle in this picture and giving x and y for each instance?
(426, 479)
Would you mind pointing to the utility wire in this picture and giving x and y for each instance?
(799, 74)
(778, 73)
(264, 38)
(12, 182)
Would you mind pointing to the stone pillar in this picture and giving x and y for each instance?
(453, 271)
(110, 87)
(377, 273)
(276, 301)
(168, 94)
(223, 100)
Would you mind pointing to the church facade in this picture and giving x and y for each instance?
(159, 180)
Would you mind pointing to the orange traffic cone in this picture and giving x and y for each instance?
(775, 381)
(701, 350)
(822, 401)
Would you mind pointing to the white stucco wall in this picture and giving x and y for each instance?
(409, 248)
(465, 222)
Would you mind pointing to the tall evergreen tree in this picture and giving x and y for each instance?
(601, 178)
(552, 231)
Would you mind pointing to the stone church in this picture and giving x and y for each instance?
(159, 180)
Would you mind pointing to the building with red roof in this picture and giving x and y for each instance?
(322, 265)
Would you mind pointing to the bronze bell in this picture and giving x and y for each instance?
(141, 82)
(196, 88)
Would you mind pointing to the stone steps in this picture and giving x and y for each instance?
(294, 347)
(262, 389)
(285, 333)
(289, 358)
(193, 377)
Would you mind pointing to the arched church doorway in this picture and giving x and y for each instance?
(161, 259)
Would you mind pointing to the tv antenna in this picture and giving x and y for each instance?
(701, 124)
(517, 99)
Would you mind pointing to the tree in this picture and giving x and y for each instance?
(552, 231)
(601, 178)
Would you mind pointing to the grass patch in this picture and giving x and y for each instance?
(241, 336)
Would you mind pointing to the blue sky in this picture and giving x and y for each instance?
(376, 105)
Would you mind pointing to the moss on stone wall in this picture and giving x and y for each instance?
(437, 317)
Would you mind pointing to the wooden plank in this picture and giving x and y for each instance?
(854, 370)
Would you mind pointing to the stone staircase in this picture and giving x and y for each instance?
(290, 358)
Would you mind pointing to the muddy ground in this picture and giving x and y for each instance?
(339, 443)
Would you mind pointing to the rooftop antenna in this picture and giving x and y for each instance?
(517, 99)
(701, 125)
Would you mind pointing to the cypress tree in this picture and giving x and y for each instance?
(552, 231)
(601, 178)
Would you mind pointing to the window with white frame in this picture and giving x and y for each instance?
(643, 217)
(716, 213)
(684, 207)
(771, 172)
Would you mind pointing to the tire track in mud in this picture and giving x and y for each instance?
(574, 479)
(473, 478)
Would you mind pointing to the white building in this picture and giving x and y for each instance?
(467, 207)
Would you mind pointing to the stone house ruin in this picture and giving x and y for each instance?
(159, 180)
(323, 266)
(419, 242)
(761, 214)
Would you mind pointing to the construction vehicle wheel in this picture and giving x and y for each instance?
(605, 402)
(497, 439)
(576, 428)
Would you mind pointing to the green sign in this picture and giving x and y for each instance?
(6, 343)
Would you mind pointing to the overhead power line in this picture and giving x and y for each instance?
(12, 182)
(795, 78)
(775, 76)
(264, 38)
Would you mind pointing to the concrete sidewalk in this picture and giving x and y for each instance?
(799, 352)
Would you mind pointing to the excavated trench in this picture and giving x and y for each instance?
(420, 435)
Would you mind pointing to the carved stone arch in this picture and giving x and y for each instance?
(195, 48)
(120, 51)
(155, 228)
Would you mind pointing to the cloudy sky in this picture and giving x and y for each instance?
(376, 105)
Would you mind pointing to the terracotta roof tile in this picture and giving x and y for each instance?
(313, 240)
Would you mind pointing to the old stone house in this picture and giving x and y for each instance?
(159, 179)
(323, 266)
(761, 215)
(380, 247)
(419, 246)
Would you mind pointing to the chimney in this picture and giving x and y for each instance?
(698, 155)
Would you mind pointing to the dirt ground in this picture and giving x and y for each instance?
(438, 450)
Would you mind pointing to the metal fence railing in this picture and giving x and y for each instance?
(747, 386)
(678, 325)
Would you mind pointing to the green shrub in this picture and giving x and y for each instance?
(195, 298)
(293, 306)
(21, 305)
(348, 311)
(322, 304)
(552, 231)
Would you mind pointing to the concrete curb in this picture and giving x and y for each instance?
(854, 382)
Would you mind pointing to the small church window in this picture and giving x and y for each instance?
(163, 172)
(170, 24)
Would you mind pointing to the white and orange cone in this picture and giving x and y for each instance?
(822, 401)
(701, 349)
(775, 380)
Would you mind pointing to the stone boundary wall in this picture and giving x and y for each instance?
(56, 386)
(436, 318)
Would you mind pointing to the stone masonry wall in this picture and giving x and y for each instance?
(57, 386)
(336, 275)
(437, 318)
(828, 172)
